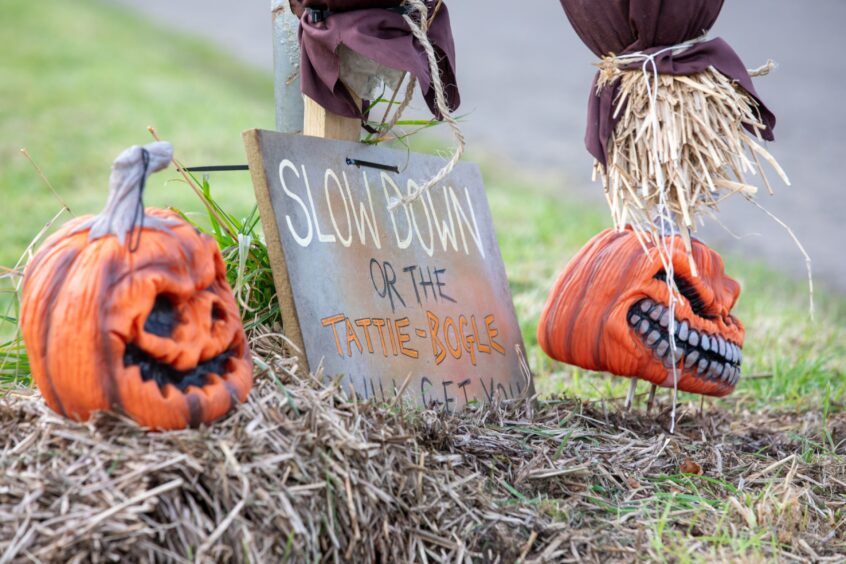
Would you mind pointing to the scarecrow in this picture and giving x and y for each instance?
(675, 126)
(353, 51)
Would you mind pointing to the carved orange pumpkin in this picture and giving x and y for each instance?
(132, 310)
(609, 311)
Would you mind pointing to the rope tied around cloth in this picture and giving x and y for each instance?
(609, 67)
(420, 31)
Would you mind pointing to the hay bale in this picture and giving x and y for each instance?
(301, 472)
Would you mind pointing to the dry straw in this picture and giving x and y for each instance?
(681, 142)
(683, 145)
(303, 473)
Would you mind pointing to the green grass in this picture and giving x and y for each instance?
(83, 80)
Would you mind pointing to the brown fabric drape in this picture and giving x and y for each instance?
(622, 27)
(346, 5)
(380, 34)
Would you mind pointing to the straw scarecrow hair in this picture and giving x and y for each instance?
(674, 121)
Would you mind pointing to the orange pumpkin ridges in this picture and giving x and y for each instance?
(608, 311)
(131, 310)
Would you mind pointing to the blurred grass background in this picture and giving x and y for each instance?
(81, 81)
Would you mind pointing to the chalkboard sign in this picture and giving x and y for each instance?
(376, 292)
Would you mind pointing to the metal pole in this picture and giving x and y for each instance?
(286, 68)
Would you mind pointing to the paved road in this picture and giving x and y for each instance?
(525, 78)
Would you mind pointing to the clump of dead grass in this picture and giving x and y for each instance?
(302, 472)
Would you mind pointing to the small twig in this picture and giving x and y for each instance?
(197, 189)
(37, 168)
(391, 102)
(631, 395)
(763, 376)
(808, 262)
(527, 547)
(401, 390)
(651, 399)
(93, 522)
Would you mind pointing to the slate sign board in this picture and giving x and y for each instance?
(376, 293)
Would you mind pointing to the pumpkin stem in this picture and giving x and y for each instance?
(124, 209)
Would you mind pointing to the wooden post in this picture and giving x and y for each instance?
(321, 123)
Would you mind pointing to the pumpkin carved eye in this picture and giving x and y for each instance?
(163, 318)
(217, 313)
(689, 292)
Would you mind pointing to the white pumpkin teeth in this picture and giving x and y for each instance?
(653, 338)
(669, 361)
(712, 370)
(712, 356)
(731, 371)
(691, 359)
(693, 339)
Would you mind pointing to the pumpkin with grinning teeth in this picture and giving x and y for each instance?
(131, 310)
(608, 311)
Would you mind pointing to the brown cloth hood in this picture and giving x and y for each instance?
(622, 27)
(375, 29)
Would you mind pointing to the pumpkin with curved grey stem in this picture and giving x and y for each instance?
(609, 311)
(131, 310)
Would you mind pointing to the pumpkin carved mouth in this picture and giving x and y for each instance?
(608, 312)
(163, 374)
(706, 356)
(162, 322)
